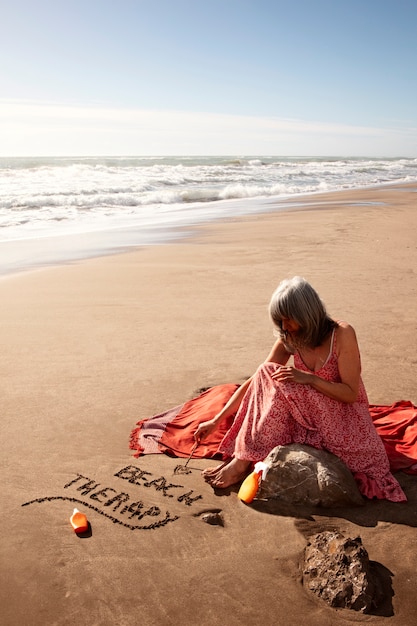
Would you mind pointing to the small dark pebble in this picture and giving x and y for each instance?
(215, 519)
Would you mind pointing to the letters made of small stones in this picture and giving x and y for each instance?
(119, 506)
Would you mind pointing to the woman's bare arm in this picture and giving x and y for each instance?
(205, 428)
(279, 353)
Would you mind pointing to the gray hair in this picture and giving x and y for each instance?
(296, 299)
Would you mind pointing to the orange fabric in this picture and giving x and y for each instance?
(397, 426)
(173, 431)
(178, 437)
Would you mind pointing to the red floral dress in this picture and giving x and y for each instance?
(276, 413)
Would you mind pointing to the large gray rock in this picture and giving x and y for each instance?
(338, 570)
(301, 474)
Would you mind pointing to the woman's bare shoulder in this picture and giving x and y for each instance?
(279, 353)
(344, 327)
(345, 333)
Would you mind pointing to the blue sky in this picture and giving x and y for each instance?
(187, 77)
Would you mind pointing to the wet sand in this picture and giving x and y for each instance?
(89, 348)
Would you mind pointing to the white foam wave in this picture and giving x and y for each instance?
(57, 194)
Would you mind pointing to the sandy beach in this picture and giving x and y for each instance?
(90, 348)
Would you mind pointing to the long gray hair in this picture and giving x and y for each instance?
(295, 299)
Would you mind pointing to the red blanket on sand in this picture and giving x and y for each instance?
(172, 432)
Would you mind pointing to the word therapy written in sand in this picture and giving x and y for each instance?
(119, 506)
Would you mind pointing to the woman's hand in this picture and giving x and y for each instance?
(204, 429)
(290, 374)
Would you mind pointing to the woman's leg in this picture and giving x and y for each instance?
(262, 422)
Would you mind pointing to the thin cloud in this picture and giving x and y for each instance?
(39, 128)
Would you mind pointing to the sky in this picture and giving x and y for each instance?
(218, 77)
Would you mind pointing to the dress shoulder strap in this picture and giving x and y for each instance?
(333, 340)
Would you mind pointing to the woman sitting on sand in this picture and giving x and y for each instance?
(320, 401)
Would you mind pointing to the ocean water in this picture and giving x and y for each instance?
(59, 209)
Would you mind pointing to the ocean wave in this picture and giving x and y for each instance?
(50, 191)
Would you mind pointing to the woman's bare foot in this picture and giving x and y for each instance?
(228, 473)
(212, 471)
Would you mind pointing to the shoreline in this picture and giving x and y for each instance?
(22, 255)
(90, 348)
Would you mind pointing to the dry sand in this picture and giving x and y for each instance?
(90, 348)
